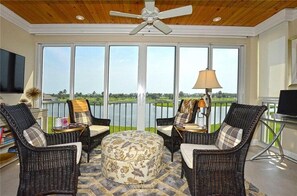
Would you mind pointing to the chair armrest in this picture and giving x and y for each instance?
(40, 158)
(200, 138)
(165, 121)
(100, 121)
(216, 160)
(61, 138)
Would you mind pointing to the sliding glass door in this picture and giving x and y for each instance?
(123, 72)
(56, 81)
(159, 83)
(134, 84)
(89, 76)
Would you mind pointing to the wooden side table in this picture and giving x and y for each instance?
(69, 128)
(190, 127)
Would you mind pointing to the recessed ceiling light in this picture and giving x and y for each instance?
(79, 17)
(216, 19)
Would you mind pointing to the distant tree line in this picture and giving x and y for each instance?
(153, 96)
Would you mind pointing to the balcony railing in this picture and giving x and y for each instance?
(266, 136)
(123, 115)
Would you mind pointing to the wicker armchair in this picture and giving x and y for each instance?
(215, 171)
(94, 132)
(43, 170)
(166, 129)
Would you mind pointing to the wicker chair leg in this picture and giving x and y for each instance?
(182, 173)
(88, 156)
(79, 174)
(172, 150)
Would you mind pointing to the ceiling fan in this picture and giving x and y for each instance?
(152, 16)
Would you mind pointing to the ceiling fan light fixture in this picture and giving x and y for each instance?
(216, 19)
(79, 17)
(152, 16)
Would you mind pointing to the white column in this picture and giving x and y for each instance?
(141, 88)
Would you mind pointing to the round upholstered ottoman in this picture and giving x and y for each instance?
(131, 157)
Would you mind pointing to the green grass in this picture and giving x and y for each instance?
(50, 124)
(269, 135)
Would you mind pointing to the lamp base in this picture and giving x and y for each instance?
(208, 108)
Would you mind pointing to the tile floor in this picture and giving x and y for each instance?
(271, 176)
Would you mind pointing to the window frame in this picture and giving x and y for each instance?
(142, 70)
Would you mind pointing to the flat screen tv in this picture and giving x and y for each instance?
(12, 71)
(287, 103)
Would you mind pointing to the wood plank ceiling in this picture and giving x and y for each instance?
(247, 13)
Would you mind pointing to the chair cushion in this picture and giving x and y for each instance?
(166, 129)
(187, 151)
(83, 117)
(97, 129)
(228, 136)
(78, 147)
(180, 119)
(188, 107)
(35, 136)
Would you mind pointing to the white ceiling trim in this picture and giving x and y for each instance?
(124, 29)
(276, 19)
(13, 18)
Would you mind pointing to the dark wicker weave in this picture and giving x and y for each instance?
(88, 142)
(173, 142)
(43, 170)
(221, 172)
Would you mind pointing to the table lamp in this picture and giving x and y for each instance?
(207, 80)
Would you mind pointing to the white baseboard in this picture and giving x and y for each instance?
(256, 142)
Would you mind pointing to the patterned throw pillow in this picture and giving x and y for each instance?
(83, 117)
(180, 119)
(228, 136)
(188, 107)
(35, 136)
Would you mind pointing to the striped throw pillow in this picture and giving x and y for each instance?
(228, 137)
(35, 136)
(83, 117)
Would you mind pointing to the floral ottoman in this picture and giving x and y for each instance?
(131, 157)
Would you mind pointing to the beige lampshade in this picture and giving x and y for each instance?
(207, 79)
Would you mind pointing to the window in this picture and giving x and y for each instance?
(141, 82)
(56, 71)
(192, 60)
(56, 81)
(160, 83)
(225, 62)
(89, 76)
(123, 69)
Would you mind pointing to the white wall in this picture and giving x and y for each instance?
(15, 39)
(274, 72)
(273, 53)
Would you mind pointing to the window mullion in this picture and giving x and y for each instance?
(72, 72)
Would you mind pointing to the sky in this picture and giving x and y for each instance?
(123, 69)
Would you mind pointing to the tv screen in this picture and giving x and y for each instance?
(12, 71)
(287, 103)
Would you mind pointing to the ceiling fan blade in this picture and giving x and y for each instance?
(138, 28)
(162, 27)
(149, 5)
(181, 11)
(122, 14)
